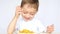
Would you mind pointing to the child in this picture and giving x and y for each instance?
(28, 23)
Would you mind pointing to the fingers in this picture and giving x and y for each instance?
(52, 25)
(50, 28)
(18, 10)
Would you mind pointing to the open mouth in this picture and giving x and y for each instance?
(27, 18)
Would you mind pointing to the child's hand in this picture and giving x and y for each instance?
(18, 11)
(50, 28)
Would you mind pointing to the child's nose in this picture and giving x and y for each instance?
(28, 15)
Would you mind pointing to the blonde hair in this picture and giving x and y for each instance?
(33, 3)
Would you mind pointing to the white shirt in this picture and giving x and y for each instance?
(34, 25)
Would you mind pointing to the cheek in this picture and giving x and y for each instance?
(31, 16)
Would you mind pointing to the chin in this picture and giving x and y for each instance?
(29, 19)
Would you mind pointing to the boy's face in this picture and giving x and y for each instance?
(28, 12)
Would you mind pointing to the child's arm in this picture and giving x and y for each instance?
(12, 25)
(50, 29)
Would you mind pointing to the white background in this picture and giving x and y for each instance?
(49, 13)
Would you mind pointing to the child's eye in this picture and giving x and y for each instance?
(25, 12)
(32, 14)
